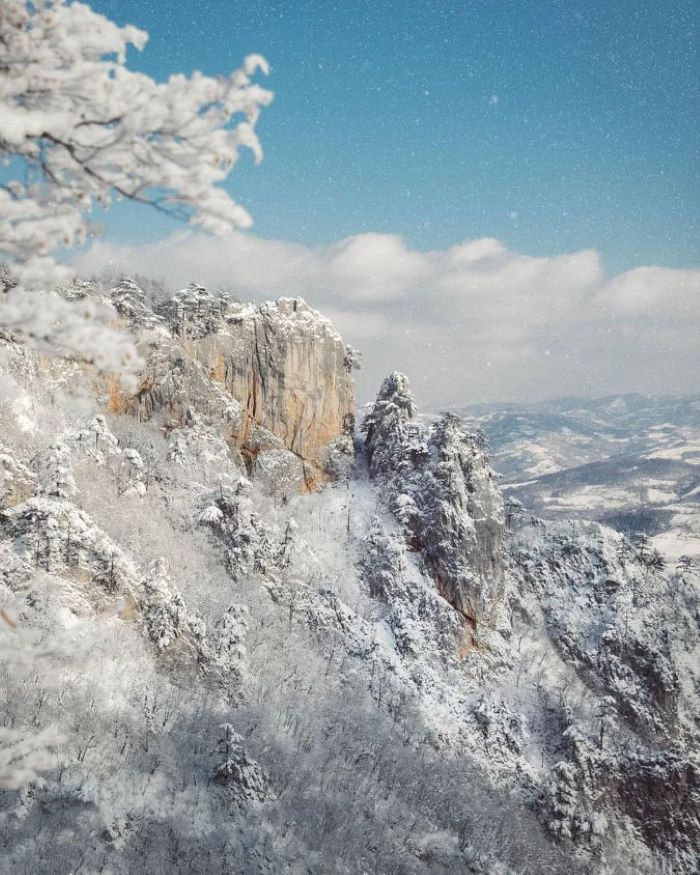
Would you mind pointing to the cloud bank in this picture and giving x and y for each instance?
(475, 322)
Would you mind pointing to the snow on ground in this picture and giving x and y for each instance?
(686, 452)
(677, 543)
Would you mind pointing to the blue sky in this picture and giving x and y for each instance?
(553, 126)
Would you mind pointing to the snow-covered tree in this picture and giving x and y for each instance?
(130, 476)
(514, 510)
(229, 647)
(80, 128)
(656, 561)
(163, 609)
(193, 312)
(684, 565)
(353, 358)
(55, 472)
(24, 753)
(642, 544)
(96, 439)
(237, 770)
(247, 539)
(129, 300)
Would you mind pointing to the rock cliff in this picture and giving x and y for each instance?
(282, 361)
(442, 490)
(276, 379)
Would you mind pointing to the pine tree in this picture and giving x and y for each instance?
(656, 561)
(642, 544)
(230, 649)
(55, 472)
(513, 511)
(685, 564)
(237, 771)
(162, 606)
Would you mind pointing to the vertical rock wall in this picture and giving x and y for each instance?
(278, 375)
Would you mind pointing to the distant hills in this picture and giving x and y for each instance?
(630, 461)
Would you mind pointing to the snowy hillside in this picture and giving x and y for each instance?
(240, 636)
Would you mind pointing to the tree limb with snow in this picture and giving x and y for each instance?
(78, 129)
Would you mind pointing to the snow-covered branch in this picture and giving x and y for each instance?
(80, 128)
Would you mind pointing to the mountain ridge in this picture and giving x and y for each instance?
(378, 670)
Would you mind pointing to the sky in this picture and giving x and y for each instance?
(558, 140)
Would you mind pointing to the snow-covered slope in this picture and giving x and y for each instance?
(211, 667)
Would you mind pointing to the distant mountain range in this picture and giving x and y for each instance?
(630, 461)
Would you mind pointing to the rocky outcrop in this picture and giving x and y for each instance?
(631, 635)
(442, 490)
(282, 361)
(381, 676)
(276, 379)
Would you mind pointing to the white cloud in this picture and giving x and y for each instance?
(472, 322)
(654, 291)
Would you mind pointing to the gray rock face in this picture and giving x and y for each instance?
(277, 377)
(443, 491)
(602, 606)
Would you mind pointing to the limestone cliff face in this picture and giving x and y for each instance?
(276, 379)
(283, 362)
